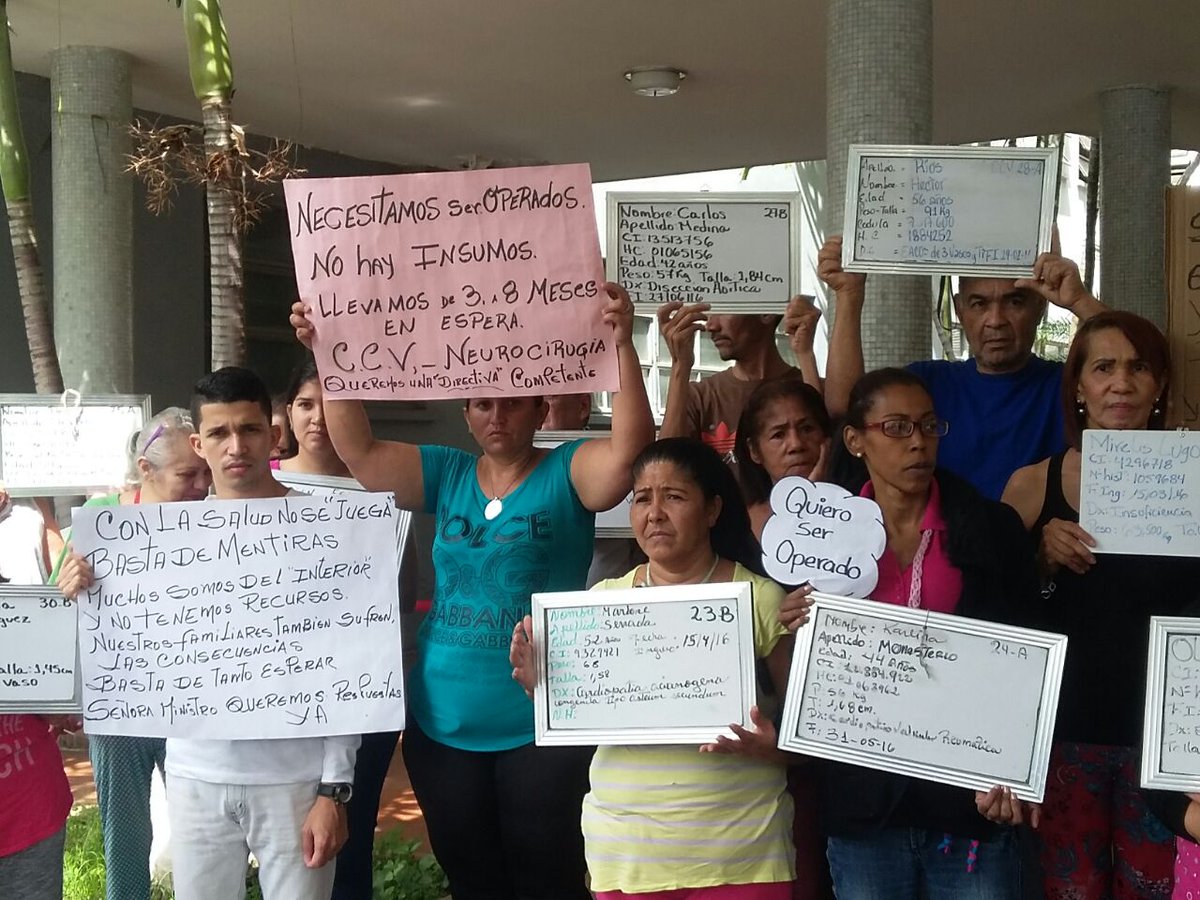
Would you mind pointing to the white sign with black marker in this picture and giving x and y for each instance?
(232, 619)
(924, 694)
(823, 535)
(738, 251)
(660, 665)
(1139, 491)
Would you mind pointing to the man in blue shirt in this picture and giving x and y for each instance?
(1003, 403)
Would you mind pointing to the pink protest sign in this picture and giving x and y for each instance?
(453, 284)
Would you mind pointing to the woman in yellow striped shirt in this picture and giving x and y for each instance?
(680, 822)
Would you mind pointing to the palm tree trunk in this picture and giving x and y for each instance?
(224, 246)
(47, 376)
(211, 67)
(14, 177)
(1093, 214)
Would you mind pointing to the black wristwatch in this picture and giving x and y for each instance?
(339, 792)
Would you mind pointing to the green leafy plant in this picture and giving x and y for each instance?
(402, 874)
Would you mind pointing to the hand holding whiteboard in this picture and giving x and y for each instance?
(1139, 491)
(823, 535)
(664, 665)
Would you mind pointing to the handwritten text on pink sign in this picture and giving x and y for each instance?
(453, 284)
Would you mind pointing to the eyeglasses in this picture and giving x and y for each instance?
(902, 428)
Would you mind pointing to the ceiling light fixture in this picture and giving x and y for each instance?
(655, 81)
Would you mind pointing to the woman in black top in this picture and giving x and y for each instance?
(1099, 839)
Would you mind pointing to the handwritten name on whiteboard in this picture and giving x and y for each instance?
(453, 284)
(37, 650)
(241, 619)
(48, 448)
(925, 694)
(1139, 491)
(737, 251)
(645, 665)
(941, 210)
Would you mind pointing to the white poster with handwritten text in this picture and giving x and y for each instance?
(1139, 492)
(232, 619)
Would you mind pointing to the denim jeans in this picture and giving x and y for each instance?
(214, 826)
(915, 863)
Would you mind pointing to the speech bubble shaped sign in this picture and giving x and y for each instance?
(823, 534)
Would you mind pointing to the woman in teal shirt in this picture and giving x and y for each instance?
(503, 815)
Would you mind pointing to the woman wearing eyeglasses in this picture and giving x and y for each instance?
(949, 550)
(163, 468)
(1099, 839)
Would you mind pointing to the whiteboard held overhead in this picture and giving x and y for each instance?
(659, 665)
(1139, 492)
(1171, 734)
(738, 251)
(53, 446)
(984, 211)
(923, 694)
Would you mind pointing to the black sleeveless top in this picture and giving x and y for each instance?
(1106, 613)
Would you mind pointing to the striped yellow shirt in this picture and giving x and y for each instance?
(664, 818)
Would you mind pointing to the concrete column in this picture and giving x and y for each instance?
(879, 90)
(91, 108)
(1135, 170)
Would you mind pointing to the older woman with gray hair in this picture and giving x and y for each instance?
(163, 468)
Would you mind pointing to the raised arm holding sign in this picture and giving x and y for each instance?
(511, 520)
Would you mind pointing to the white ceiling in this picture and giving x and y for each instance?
(435, 82)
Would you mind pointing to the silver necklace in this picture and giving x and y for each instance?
(704, 580)
(495, 506)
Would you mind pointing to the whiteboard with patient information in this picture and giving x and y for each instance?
(948, 210)
(1139, 491)
(1171, 734)
(738, 251)
(928, 695)
(653, 665)
(62, 446)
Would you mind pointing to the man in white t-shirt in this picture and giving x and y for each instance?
(283, 800)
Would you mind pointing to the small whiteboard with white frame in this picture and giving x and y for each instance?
(654, 665)
(610, 523)
(39, 665)
(940, 697)
(738, 251)
(52, 446)
(985, 211)
(1171, 731)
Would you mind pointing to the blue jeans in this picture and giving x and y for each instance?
(915, 863)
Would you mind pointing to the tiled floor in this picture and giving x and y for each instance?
(397, 808)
